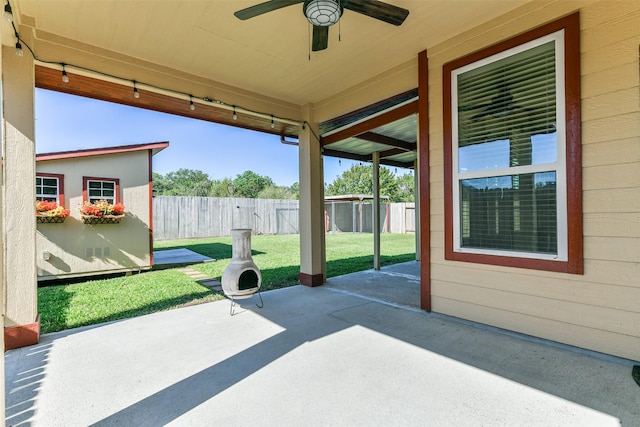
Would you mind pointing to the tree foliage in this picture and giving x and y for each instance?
(277, 192)
(183, 182)
(187, 182)
(406, 184)
(223, 188)
(249, 184)
(359, 180)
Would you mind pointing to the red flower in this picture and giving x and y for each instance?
(43, 206)
(101, 208)
(90, 209)
(118, 209)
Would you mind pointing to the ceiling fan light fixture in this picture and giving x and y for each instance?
(322, 13)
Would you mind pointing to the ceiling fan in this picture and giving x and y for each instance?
(324, 13)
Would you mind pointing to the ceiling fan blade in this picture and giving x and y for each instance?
(379, 10)
(265, 7)
(320, 38)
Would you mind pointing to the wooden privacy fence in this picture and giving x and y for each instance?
(402, 218)
(178, 217)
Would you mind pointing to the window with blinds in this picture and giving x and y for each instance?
(508, 143)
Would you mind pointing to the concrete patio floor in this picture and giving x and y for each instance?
(332, 355)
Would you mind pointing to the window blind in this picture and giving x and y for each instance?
(511, 99)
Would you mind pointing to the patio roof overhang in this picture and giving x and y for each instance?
(200, 51)
(389, 128)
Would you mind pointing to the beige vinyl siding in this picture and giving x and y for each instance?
(600, 309)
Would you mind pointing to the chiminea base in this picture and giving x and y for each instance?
(234, 303)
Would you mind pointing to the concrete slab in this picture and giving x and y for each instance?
(176, 257)
(397, 284)
(311, 356)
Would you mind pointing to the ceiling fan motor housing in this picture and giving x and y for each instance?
(322, 13)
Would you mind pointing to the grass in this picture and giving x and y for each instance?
(278, 258)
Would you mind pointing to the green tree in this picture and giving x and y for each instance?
(187, 182)
(359, 180)
(249, 184)
(406, 185)
(223, 188)
(295, 189)
(160, 184)
(276, 192)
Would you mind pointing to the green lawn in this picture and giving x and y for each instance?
(278, 258)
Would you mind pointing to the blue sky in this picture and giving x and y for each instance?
(68, 122)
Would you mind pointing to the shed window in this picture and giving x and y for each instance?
(106, 189)
(49, 188)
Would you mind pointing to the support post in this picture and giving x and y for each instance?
(21, 322)
(3, 282)
(376, 210)
(416, 208)
(424, 182)
(312, 243)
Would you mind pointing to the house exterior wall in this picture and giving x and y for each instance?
(599, 309)
(128, 242)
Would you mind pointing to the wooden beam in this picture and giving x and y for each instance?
(346, 155)
(387, 140)
(49, 78)
(372, 123)
(367, 111)
(392, 152)
(365, 158)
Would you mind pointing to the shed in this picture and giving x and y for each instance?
(81, 245)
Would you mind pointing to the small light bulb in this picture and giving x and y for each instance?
(136, 94)
(65, 77)
(235, 116)
(192, 106)
(8, 14)
(273, 125)
(19, 50)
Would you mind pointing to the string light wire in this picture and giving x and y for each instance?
(177, 94)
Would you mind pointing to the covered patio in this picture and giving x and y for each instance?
(521, 120)
(327, 356)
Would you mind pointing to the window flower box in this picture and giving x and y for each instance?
(105, 219)
(101, 212)
(50, 213)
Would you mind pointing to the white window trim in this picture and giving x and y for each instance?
(559, 167)
(57, 188)
(115, 187)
